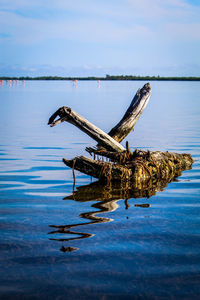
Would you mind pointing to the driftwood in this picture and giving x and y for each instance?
(69, 115)
(136, 108)
(122, 174)
(138, 167)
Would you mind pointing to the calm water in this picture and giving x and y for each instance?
(124, 251)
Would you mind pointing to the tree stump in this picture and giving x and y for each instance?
(138, 167)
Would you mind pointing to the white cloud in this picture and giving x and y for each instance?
(184, 32)
(107, 21)
(165, 9)
(13, 5)
(24, 30)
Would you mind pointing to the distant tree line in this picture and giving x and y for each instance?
(137, 77)
(107, 77)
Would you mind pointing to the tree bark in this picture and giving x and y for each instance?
(111, 140)
(138, 168)
(134, 111)
(98, 169)
(69, 115)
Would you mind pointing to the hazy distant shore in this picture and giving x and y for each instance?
(107, 77)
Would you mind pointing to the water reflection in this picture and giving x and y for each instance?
(107, 197)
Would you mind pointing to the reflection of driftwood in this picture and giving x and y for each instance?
(137, 167)
(102, 206)
(98, 191)
(106, 198)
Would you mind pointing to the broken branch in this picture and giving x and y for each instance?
(69, 115)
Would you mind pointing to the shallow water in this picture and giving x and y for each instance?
(124, 251)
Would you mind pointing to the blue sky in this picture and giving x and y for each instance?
(98, 37)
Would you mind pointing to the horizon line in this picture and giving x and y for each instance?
(106, 77)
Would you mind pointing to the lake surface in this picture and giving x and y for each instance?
(124, 251)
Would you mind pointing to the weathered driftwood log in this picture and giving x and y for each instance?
(131, 116)
(136, 108)
(69, 115)
(118, 133)
(137, 167)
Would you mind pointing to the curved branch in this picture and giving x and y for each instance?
(134, 111)
(69, 115)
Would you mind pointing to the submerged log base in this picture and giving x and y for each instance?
(104, 171)
(137, 167)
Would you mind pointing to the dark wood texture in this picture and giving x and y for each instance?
(138, 168)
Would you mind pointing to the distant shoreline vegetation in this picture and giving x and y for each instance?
(107, 77)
